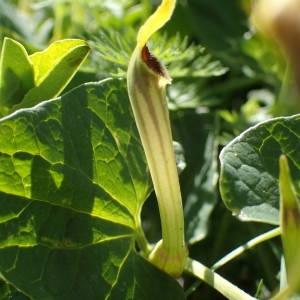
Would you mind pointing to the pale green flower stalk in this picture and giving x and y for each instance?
(146, 79)
(290, 229)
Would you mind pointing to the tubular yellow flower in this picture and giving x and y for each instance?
(146, 80)
(155, 22)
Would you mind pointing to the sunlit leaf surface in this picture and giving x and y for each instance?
(73, 179)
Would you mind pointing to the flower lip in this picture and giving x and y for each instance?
(151, 61)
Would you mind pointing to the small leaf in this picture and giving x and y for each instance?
(53, 69)
(249, 168)
(73, 179)
(16, 74)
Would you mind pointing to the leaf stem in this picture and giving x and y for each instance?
(223, 286)
(141, 239)
(250, 244)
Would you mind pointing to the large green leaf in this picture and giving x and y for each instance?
(249, 168)
(16, 74)
(9, 292)
(72, 181)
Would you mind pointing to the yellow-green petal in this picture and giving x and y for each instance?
(155, 22)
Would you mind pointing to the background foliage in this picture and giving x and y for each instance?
(226, 78)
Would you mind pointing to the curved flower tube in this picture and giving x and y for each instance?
(146, 80)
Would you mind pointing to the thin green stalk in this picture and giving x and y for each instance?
(142, 240)
(226, 288)
(250, 244)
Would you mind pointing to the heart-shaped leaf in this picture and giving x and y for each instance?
(249, 168)
(73, 179)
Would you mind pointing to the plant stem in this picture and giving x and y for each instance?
(223, 286)
(142, 240)
(250, 244)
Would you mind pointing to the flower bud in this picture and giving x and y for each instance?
(280, 20)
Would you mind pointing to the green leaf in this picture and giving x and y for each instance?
(54, 68)
(28, 80)
(9, 292)
(202, 162)
(228, 26)
(184, 60)
(73, 179)
(249, 168)
(16, 74)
